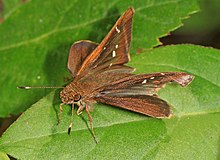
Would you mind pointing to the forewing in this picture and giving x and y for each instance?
(78, 53)
(114, 49)
(155, 80)
(93, 81)
(139, 92)
(144, 104)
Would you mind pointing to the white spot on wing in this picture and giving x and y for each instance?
(117, 29)
(113, 54)
(116, 46)
(104, 48)
(144, 81)
(110, 65)
(152, 77)
(162, 73)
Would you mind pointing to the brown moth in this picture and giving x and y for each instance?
(99, 75)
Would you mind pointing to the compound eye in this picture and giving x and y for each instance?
(77, 97)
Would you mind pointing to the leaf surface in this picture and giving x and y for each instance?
(192, 133)
(35, 44)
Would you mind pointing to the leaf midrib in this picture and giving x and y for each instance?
(115, 123)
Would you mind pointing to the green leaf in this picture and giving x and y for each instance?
(8, 7)
(36, 37)
(201, 62)
(192, 133)
(4, 156)
(206, 21)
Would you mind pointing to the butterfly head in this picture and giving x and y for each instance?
(69, 96)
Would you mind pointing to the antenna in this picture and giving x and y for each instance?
(31, 87)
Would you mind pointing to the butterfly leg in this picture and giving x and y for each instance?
(61, 111)
(71, 119)
(91, 124)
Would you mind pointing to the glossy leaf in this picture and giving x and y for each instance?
(36, 37)
(192, 133)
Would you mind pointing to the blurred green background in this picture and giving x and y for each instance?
(203, 28)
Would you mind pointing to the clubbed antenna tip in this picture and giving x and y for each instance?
(23, 87)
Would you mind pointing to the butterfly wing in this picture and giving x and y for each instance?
(114, 49)
(139, 92)
(148, 105)
(94, 80)
(155, 80)
(79, 51)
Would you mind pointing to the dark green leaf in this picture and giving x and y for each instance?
(205, 21)
(192, 133)
(36, 37)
